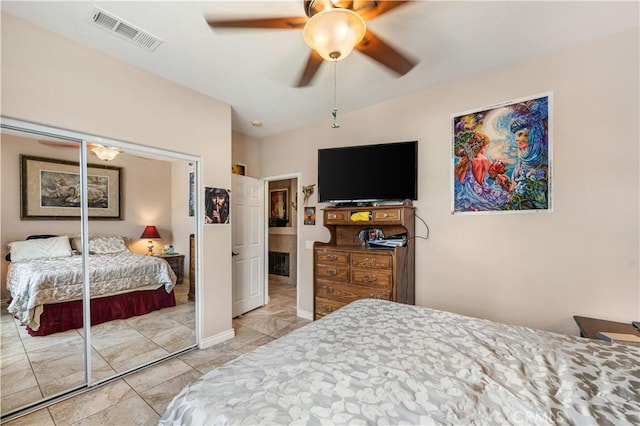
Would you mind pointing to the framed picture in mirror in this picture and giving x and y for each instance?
(50, 189)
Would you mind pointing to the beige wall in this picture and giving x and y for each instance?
(245, 150)
(535, 269)
(50, 80)
(181, 223)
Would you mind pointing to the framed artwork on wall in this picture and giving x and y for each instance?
(192, 194)
(239, 169)
(216, 205)
(50, 190)
(309, 215)
(278, 211)
(502, 157)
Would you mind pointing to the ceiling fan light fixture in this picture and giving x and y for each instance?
(105, 153)
(333, 33)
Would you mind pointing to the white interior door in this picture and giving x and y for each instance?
(247, 223)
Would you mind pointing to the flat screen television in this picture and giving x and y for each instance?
(368, 173)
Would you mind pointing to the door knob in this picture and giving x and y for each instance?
(233, 253)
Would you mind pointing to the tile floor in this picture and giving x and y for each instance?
(147, 392)
(43, 366)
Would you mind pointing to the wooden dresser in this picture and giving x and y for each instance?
(346, 269)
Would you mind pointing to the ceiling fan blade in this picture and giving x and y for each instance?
(313, 63)
(372, 46)
(293, 22)
(370, 9)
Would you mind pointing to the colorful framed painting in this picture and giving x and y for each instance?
(309, 215)
(279, 207)
(216, 205)
(50, 190)
(501, 157)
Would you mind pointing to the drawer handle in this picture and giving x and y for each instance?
(375, 296)
(369, 279)
(331, 272)
(331, 257)
(327, 289)
(385, 215)
(325, 308)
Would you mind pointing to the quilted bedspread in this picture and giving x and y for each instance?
(378, 362)
(34, 283)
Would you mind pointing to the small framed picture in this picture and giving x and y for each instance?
(309, 215)
(192, 199)
(239, 169)
(216, 205)
(278, 202)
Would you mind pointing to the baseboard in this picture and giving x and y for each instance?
(218, 338)
(305, 314)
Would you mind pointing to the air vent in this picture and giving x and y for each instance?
(123, 29)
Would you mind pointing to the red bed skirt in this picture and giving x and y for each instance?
(68, 315)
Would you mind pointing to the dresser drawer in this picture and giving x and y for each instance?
(366, 260)
(387, 215)
(380, 278)
(335, 217)
(326, 306)
(349, 293)
(332, 272)
(332, 256)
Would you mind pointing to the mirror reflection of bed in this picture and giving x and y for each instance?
(139, 313)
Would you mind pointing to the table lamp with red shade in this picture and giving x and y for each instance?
(150, 232)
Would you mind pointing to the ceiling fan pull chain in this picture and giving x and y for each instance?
(334, 111)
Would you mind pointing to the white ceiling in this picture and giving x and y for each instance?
(255, 70)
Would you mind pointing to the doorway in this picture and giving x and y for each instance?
(279, 315)
(278, 312)
(282, 237)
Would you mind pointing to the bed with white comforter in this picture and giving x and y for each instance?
(379, 362)
(38, 282)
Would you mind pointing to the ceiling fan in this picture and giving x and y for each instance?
(325, 23)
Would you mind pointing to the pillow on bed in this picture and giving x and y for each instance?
(40, 248)
(76, 244)
(105, 245)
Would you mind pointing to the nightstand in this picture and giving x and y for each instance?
(590, 326)
(176, 261)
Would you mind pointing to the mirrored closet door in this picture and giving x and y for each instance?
(127, 246)
(152, 242)
(36, 364)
